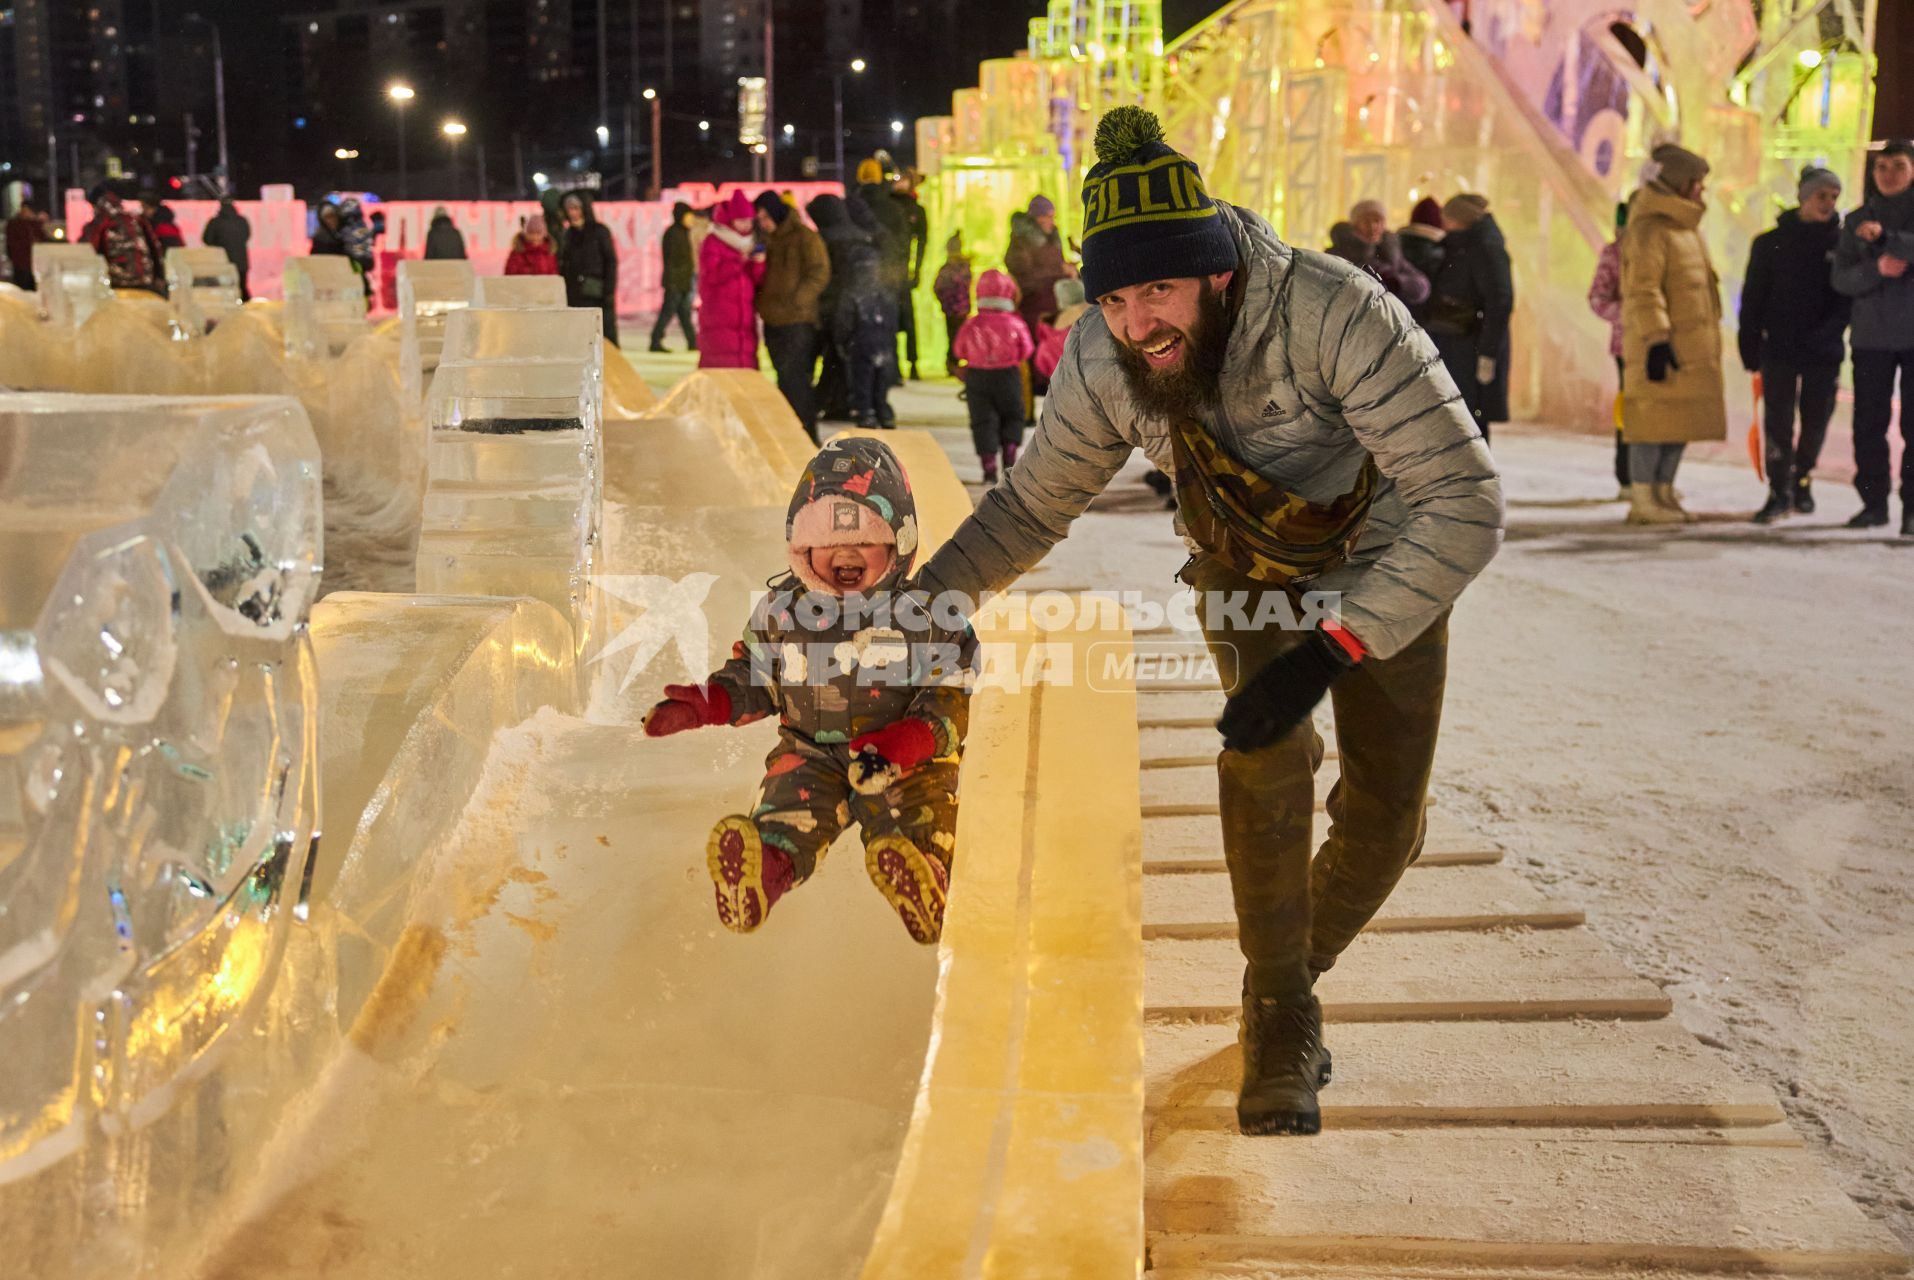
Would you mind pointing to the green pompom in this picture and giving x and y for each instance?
(1124, 131)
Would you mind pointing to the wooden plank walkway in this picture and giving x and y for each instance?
(1509, 1101)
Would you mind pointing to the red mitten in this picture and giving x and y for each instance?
(688, 706)
(882, 756)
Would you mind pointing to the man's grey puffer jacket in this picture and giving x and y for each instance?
(1323, 368)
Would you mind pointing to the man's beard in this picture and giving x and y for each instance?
(1194, 383)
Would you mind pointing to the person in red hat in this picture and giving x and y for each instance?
(730, 268)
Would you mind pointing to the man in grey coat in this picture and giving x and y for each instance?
(1318, 445)
(1871, 266)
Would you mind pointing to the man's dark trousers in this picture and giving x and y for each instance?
(1874, 375)
(677, 303)
(793, 351)
(1296, 914)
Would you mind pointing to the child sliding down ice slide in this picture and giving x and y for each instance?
(872, 703)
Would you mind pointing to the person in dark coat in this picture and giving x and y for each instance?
(1793, 325)
(1871, 266)
(1365, 241)
(442, 239)
(679, 277)
(1469, 306)
(858, 305)
(1421, 241)
(876, 188)
(917, 222)
(229, 230)
(588, 259)
(328, 233)
(166, 232)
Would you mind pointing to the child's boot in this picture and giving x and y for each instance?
(915, 883)
(748, 874)
(990, 467)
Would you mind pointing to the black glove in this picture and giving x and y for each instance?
(1661, 358)
(1750, 344)
(1282, 694)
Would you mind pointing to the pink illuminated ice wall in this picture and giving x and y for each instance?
(280, 231)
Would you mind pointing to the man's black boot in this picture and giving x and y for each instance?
(1776, 507)
(1869, 517)
(1907, 520)
(1804, 496)
(1283, 1065)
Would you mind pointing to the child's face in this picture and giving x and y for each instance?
(852, 568)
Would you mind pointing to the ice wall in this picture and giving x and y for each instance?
(325, 306)
(203, 285)
(158, 793)
(428, 293)
(519, 291)
(71, 279)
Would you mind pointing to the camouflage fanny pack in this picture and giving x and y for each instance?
(1254, 525)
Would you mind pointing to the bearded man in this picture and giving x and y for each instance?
(1317, 445)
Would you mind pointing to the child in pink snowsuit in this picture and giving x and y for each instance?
(989, 349)
(730, 267)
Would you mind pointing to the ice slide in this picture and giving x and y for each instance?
(510, 1039)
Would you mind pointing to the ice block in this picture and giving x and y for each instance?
(204, 287)
(72, 281)
(541, 292)
(428, 293)
(514, 461)
(325, 306)
(158, 790)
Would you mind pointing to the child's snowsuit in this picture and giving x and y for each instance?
(990, 347)
(831, 682)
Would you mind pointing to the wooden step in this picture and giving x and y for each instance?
(1199, 906)
(1194, 842)
(1512, 974)
(1191, 790)
(1400, 1074)
(1198, 746)
(1490, 1197)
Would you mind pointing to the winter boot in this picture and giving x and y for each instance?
(1643, 509)
(1010, 456)
(749, 875)
(1907, 519)
(1283, 1066)
(1804, 495)
(990, 467)
(1665, 495)
(656, 348)
(915, 883)
(1871, 516)
(1777, 505)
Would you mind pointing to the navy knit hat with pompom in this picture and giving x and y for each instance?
(1146, 214)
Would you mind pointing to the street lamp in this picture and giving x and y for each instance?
(219, 99)
(401, 93)
(348, 155)
(657, 144)
(453, 131)
(837, 102)
(897, 128)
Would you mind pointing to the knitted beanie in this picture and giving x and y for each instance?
(1677, 168)
(869, 171)
(1427, 213)
(1466, 209)
(772, 206)
(1040, 206)
(1146, 214)
(1814, 178)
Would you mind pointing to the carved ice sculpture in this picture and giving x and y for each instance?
(428, 293)
(158, 785)
(520, 291)
(71, 280)
(325, 306)
(204, 287)
(513, 460)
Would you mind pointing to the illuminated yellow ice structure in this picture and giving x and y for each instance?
(157, 751)
(1299, 108)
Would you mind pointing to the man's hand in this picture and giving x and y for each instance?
(1869, 231)
(1282, 694)
(1661, 358)
(1485, 369)
(688, 706)
(883, 756)
(1892, 268)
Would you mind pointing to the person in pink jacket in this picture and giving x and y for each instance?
(730, 266)
(990, 348)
